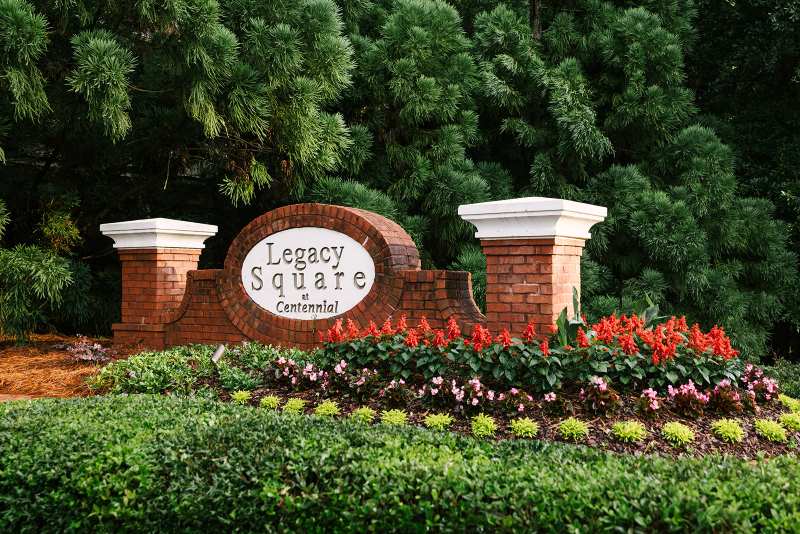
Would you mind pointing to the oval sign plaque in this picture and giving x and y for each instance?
(308, 273)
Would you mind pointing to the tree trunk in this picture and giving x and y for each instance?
(535, 10)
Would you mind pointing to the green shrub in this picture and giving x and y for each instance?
(270, 402)
(728, 430)
(629, 431)
(483, 426)
(294, 406)
(364, 415)
(241, 396)
(770, 430)
(438, 421)
(233, 378)
(791, 421)
(524, 427)
(791, 403)
(677, 434)
(176, 370)
(573, 429)
(243, 470)
(327, 408)
(394, 418)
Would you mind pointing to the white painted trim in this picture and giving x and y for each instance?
(158, 233)
(532, 217)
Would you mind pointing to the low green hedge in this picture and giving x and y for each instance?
(154, 463)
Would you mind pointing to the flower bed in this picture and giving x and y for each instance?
(424, 372)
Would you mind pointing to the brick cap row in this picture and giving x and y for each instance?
(532, 217)
(158, 233)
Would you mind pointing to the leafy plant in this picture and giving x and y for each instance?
(327, 408)
(573, 429)
(394, 418)
(677, 434)
(483, 426)
(524, 427)
(294, 406)
(791, 403)
(599, 397)
(438, 421)
(728, 430)
(629, 431)
(770, 430)
(364, 415)
(235, 378)
(241, 396)
(791, 421)
(270, 402)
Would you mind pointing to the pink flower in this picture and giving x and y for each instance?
(514, 391)
(474, 401)
(490, 395)
(437, 380)
(521, 408)
(549, 397)
(434, 391)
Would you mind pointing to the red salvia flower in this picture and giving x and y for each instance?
(336, 332)
(504, 338)
(453, 331)
(553, 329)
(481, 337)
(698, 341)
(372, 330)
(353, 330)
(583, 340)
(439, 340)
(412, 340)
(387, 329)
(544, 346)
(530, 332)
(402, 326)
(424, 326)
(628, 344)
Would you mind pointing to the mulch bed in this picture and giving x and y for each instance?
(752, 447)
(43, 368)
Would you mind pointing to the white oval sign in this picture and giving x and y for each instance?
(308, 273)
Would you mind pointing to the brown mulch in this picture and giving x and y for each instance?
(42, 368)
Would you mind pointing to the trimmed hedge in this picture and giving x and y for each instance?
(153, 463)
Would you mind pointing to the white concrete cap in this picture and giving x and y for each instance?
(158, 233)
(532, 217)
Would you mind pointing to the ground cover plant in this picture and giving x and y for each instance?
(176, 464)
(624, 374)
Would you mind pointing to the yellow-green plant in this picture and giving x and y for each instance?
(629, 431)
(789, 402)
(327, 408)
(573, 429)
(728, 430)
(241, 396)
(364, 415)
(791, 421)
(678, 434)
(394, 417)
(270, 402)
(483, 426)
(524, 427)
(770, 430)
(294, 406)
(438, 421)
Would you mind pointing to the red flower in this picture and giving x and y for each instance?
(698, 341)
(504, 338)
(372, 330)
(439, 339)
(544, 346)
(553, 329)
(387, 329)
(583, 340)
(412, 340)
(481, 337)
(453, 331)
(352, 329)
(530, 332)
(721, 343)
(628, 344)
(336, 332)
(424, 327)
(402, 326)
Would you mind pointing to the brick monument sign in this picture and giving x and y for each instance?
(294, 271)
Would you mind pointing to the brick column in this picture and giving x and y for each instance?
(533, 250)
(156, 255)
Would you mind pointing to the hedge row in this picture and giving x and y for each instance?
(154, 463)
